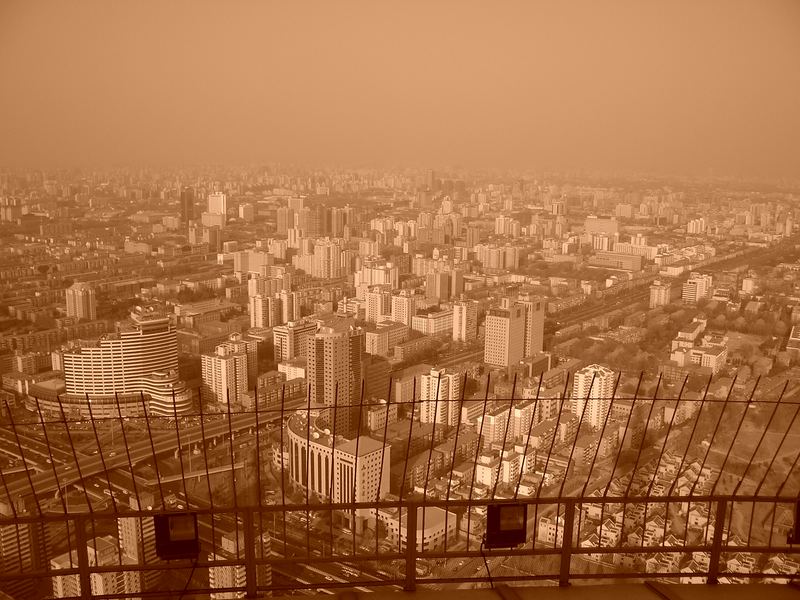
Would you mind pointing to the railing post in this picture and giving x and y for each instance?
(82, 550)
(566, 543)
(250, 570)
(411, 548)
(716, 545)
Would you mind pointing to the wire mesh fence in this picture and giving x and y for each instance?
(632, 469)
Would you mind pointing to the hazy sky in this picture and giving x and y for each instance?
(668, 86)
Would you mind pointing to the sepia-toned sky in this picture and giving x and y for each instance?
(670, 86)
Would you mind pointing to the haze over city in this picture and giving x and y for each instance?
(313, 297)
(707, 87)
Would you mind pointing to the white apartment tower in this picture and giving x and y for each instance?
(81, 301)
(439, 396)
(592, 390)
(378, 304)
(404, 307)
(224, 375)
(465, 321)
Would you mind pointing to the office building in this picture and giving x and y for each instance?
(334, 369)
(217, 203)
(224, 376)
(81, 301)
(334, 468)
(440, 395)
(465, 321)
(592, 390)
(140, 357)
(187, 204)
(505, 335)
(437, 286)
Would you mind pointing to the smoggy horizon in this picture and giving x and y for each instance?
(685, 88)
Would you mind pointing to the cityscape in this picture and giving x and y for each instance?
(338, 372)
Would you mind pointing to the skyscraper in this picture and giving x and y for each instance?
(465, 321)
(505, 335)
(187, 204)
(334, 374)
(81, 301)
(592, 390)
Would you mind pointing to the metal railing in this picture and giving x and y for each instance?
(673, 481)
(559, 549)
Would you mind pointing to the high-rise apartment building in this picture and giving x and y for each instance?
(102, 552)
(232, 547)
(465, 321)
(224, 375)
(137, 540)
(81, 301)
(437, 286)
(505, 335)
(378, 304)
(404, 307)
(440, 395)
(592, 390)
(265, 311)
(291, 340)
(236, 344)
(334, 368)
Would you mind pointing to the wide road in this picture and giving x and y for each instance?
(164, 441)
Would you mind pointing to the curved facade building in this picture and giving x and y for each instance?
(341, 470)
(140, 357)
